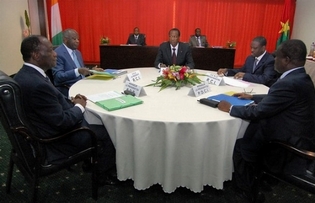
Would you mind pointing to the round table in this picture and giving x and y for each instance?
(171, 139)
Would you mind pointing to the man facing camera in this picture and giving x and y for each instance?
(174, 52)
(286, 113)
(70, 67)
(198, 40)
(258, 67)
(136, 38)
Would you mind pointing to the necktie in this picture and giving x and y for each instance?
(75, 59)
(174, 56)
(198, 41)
(255, 64)
(136, 38)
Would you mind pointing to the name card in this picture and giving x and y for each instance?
(214, 79)
(133, 77)
(199, 89)
(161, 70)
(132, 87)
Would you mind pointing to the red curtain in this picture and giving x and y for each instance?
(219, 20)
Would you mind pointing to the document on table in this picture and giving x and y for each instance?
(104, 96)
(235, 82)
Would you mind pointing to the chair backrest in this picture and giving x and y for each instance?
(16, 125)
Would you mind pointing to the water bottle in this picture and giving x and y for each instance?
(312, 49)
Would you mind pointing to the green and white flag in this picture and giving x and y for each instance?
(56, 27)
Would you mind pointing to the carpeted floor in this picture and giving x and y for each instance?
(75, 186)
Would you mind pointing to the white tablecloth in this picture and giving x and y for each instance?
(310, 69)
(171, 139)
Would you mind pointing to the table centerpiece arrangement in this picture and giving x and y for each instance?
(176, 76)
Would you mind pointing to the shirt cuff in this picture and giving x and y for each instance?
(230, 108)
(81, 107)
(76, 71)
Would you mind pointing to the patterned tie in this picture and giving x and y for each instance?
(255, 64)
(174, 56)
(75, 59)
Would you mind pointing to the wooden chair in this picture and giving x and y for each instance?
(305, 181)
(28, 147)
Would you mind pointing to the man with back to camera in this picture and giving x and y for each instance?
(286, 113)
(174, 52)
(258, 67)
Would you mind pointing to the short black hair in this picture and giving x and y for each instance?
(261, 40)
(174, 29)
(30, 45)
(295, 49)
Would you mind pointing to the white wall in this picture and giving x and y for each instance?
(304, 22)
(12, 24)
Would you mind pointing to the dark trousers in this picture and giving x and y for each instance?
(247, 160)
(81, 141)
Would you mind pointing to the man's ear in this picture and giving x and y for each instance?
(35, 56)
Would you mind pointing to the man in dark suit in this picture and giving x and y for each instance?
(174, 52)
(136, 38)
(286, 113)
(198, 40)
(51, 112)
(70, 67)
(258, 67)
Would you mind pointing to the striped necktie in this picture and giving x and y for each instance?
(255, 64)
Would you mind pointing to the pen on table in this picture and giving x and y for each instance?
(248, 92)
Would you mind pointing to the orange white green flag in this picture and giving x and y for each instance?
(56, 27)
(286, 21)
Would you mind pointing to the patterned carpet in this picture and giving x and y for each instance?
(75, 186)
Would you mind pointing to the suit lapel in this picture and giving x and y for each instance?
(68, 57)
(261, 62)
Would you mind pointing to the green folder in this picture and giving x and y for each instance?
(119, 102)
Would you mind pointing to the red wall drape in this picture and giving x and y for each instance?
(219, 20)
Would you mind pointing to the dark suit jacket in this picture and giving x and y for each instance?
(183, 58)
(194, 43)
(140, 41)
(286, 113)
(50, 111)
(263, 74)
(63, 73)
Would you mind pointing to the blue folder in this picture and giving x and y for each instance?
(235, 101)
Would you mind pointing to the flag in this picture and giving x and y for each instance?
(286, 21)
(56, 28)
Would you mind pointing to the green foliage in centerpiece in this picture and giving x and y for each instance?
(176, 76)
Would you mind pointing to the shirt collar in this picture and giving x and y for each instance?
(289, 71)
(41, 71)
(69, 50)
(260, 57)
(176, 47)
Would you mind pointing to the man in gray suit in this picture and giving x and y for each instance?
(198, 40)
(174, 52)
